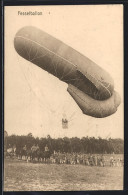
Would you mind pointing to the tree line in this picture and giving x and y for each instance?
(79, 145)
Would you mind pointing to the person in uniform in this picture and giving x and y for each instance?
(33, 148)
(103, 160)
(111, 161)
(25, 147)
(37, 147)
(46, 149)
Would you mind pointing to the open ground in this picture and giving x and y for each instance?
(23, 176)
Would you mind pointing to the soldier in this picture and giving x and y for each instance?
(33, 148)
(103, 160)
(118, 162)
(46, 149)
(9, 146)
(98, 160)
(95, 160)
(90, 160)
(111, 161)
(37, 147)
(25, 147)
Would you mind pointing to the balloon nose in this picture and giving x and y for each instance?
(117, 99)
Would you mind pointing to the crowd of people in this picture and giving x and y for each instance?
(70, 158)
(85, 159)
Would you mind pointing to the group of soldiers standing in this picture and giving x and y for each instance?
(74, 158)
(36, 147)
(85, 159)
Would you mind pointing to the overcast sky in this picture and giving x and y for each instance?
(36, 101)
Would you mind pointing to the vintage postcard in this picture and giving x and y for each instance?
(63, 98)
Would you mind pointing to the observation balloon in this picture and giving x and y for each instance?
(91, 87)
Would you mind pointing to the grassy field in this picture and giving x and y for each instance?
(23, 176)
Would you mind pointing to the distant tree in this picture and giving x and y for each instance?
(5, 134)
(5, 141)
(74, 144)
(30, 135)
(48, 137)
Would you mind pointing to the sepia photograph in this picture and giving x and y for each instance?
(63, 98)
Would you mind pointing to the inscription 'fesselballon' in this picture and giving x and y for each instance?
(91, 87)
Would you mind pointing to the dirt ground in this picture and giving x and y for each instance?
(23, 176)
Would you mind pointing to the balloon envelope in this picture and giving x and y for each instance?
(90, 86)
